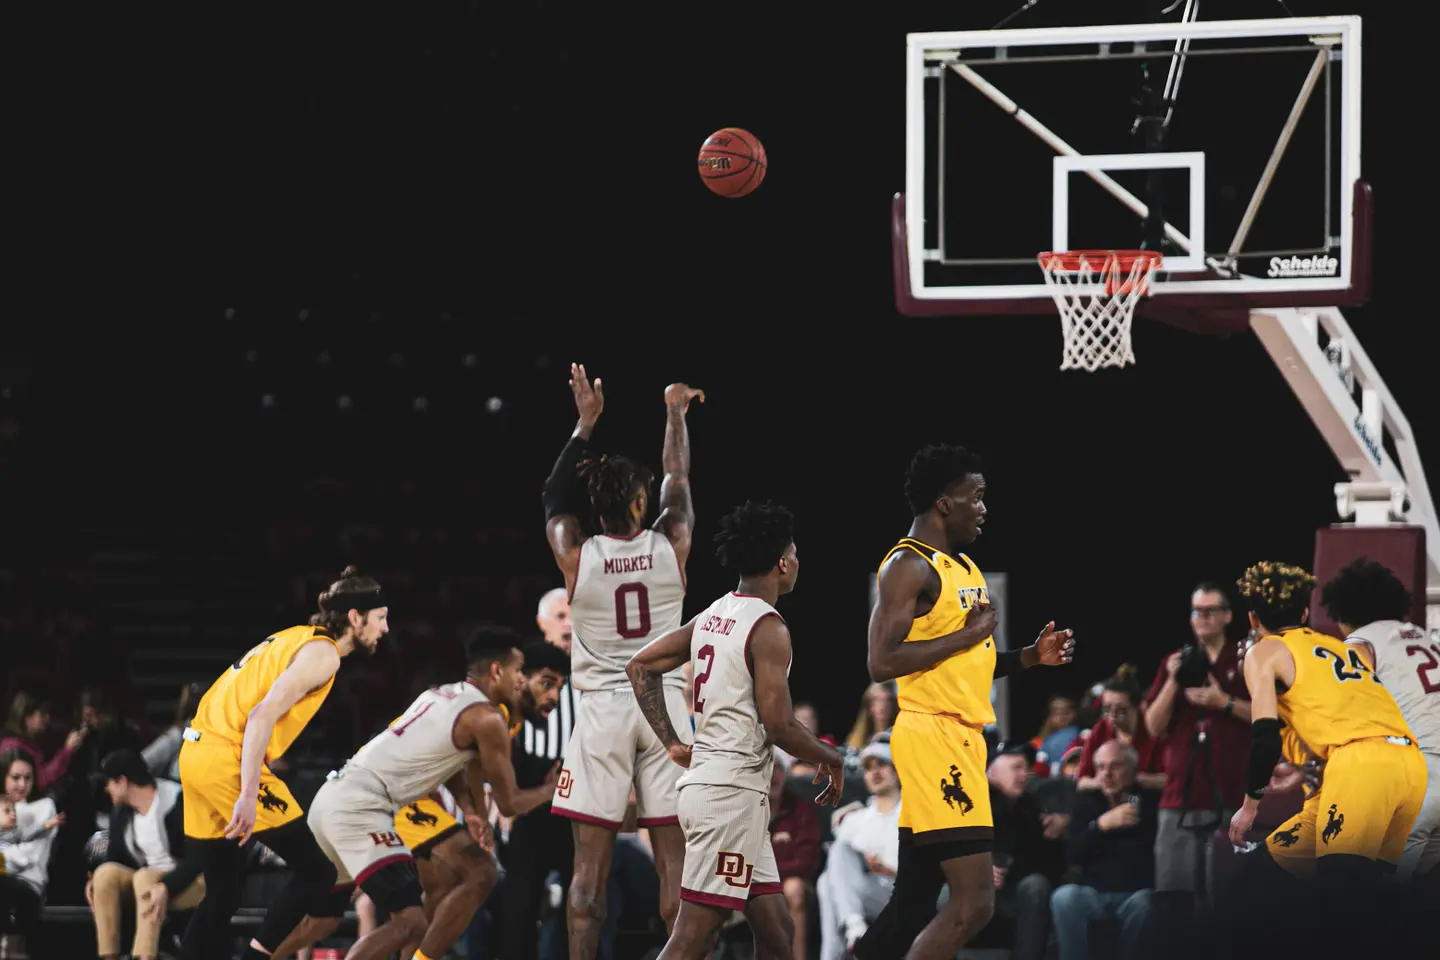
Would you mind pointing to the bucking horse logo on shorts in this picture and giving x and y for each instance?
(1333, 826)
(1287, 838)
(954, 793)
(269, 801)
(419, 817)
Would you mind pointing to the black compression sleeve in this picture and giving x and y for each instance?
(1264, 754)
(1007, 663)
(558, 483)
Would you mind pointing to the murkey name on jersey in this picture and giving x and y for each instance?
(629, 564)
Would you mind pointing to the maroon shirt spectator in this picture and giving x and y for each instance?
(1121, 719)
(795, 837)
(1152, 754)
(29, 717)
(1227, 737)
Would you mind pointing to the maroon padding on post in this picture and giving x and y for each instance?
(1214, 312)
(1400, 548)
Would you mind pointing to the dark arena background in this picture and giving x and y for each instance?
(301, 288)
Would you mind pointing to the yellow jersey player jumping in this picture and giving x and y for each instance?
(248, 718)
(1375, 775)
(931, 631)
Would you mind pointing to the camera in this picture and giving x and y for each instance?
(1194, 667)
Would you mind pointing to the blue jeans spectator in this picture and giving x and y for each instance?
(1074, 908)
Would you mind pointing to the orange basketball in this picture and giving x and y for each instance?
(732, 162)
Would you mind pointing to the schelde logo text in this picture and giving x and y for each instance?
(1303, 267)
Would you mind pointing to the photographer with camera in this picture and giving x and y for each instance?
(1199, 705)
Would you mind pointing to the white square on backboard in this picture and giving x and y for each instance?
(1193, 161)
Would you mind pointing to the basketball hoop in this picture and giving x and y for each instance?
(1097, 291)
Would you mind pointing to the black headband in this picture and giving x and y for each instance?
(355, 600)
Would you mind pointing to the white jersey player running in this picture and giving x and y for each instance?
(627, 587)
(739, 648)
(1370, 604)
(458, 735)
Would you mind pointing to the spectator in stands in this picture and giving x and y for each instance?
(861, 862)
(878, 709)
(1058, 731)
(1120, 720)
(795, 838)
(26, 876)
(1029, 853)
(1198, 705)
(83, 798)
(553, 618)
(144, 856)
(809, 718)
(163, 754)
(29, 719)
(1112, 842)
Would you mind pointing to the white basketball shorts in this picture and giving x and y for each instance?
(612, 748)
(728, 857)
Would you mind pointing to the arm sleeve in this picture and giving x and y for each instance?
(557, 484)
(1264, 754)
(1007, 663)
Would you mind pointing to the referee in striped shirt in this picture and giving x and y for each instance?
(539, 842)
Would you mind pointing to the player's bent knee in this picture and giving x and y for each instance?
(410, 923)
(395, 888)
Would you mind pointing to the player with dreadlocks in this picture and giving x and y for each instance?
(930, 631)
(627, 586)
(740, 649)
(1328, 692)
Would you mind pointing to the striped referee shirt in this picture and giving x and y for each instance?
(538, 746)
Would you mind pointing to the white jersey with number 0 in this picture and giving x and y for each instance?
(731, 745)
(1408, 664)
(628, 591)
(417, 752)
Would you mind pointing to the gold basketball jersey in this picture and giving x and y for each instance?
(959, 686)
(1336, 698)
(225, 708)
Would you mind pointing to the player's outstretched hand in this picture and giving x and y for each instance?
(1055, 647)
(834, 784)
(589, 398)
(680, 753)
(680, 395)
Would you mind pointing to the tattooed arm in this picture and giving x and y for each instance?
(646, 671)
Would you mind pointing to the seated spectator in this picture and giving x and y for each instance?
(145, 855)
(1112, 842)
(1121, 721)
(162, 756)
(27, 874)
(795, 838)
(1059, 729)
(29, 719)
(1029, 853)
(878, 709)
(861, 863)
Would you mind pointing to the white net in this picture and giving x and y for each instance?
(1097, 292)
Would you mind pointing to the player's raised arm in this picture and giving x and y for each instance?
(647, 670)
(492, 741)
(677, 512)
(770, 654)
(901, 581)
(314, 664)
(562, 524)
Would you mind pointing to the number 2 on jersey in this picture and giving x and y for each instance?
(1431, 664)
(623, 593)
(706, 653)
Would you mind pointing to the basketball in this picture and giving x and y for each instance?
(732, 162)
